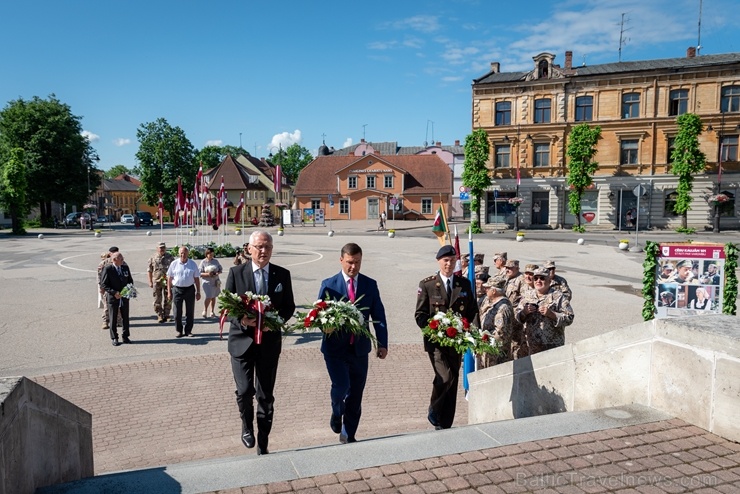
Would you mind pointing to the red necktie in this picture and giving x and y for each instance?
(351, 293)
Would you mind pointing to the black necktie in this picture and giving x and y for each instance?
(449, 289)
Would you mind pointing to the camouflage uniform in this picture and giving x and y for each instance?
(499, 321)
(559, 283)
(542, 333)
(515, 288)
(157, 266)
(241, 257)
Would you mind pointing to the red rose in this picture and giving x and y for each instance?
(451, 332)
(466, 323)
(321, 305)
(312, 315)
(433, 324)
(307, 322)
(485, 337)
(244, 298)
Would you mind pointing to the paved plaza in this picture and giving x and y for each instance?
(165, 401)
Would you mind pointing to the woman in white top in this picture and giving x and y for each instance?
(209, 269)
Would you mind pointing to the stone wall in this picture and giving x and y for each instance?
(44, 439)
(687, 367)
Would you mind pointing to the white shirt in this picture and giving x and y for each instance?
(183, 275)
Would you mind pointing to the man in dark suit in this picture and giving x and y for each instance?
(438, 293)
(346, 354)
(255, 364)
(115, 277)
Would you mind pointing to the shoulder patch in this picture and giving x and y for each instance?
(429, 278)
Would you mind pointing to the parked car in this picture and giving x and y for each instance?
(145, 218)
(103, 219)
(73, 219)
(127, 218)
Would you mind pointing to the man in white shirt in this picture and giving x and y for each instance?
(183, 285)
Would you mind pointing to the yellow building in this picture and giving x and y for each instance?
(528, 116)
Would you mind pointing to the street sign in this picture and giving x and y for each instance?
(331, 201)
(640, 190)
(464, 196)
(394, 201)
(495, 193)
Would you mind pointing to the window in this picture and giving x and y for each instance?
(426, 206)
(388, 181)
(679, 102)
(352, 182)
(730, 99)
(669, 203)
(628, 151)
(584, 108)
(503, 113)
(370, 181)
(315, 203)
(343, 206)
(630, 105)
(728, 150)
(503, 153)
(542, 110)
(727, 208)
(541, 154)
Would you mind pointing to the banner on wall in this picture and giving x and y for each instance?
(689, 280)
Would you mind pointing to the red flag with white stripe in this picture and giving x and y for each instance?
(239, 207)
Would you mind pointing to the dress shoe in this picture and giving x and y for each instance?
(432, 417)
(336, 423)
(126, 340)
(345, 439)
(191, 335)
(262, 451)
(179, 335)
(248, 439)
(105, 326)
(115, 342)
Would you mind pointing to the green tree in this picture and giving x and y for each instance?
(210, 156)
(116, 171)
(581, 167)
(164, 154)
(13, 186)
(475, 173)
(686, 161)
(233, 151)
(292, 160)
(57, 156)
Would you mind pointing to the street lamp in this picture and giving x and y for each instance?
(277, 182)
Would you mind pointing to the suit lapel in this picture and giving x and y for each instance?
(248, 276)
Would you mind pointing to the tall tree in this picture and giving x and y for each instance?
(581, 167)
(686, 161)
(210, 156)
(58, 157)
(116, 171)
(292, 160)
(13, 186)
(164, 154)
(475, 172)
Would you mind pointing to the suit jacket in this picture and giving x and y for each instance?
(112, 283)
(280, 290)
(371, 307)
(432, 298)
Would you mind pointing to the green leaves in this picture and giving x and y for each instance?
(686, 161)
(729, 302)
(649, 270)
(581, 167)
(475, 173)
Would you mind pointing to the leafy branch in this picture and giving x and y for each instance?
(649, 269)
(729, 304)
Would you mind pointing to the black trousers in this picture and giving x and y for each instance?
(446, 364)
(255, 373)
(116, 306)
(179, 296)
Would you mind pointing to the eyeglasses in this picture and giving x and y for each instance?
(540, 278)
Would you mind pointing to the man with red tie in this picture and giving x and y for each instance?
(345, 353)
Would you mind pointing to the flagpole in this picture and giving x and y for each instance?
(444, 218)
(469, 361)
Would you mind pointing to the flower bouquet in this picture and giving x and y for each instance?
(449, 329)
(516, 201)
(334, 315)
(718, 199)
(251, 305)
(128, 291)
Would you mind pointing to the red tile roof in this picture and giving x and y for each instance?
(236, 177)
(424, 174)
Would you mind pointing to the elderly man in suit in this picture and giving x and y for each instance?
(438, 293)
(255, 364)
(346, 354)
(115, 277)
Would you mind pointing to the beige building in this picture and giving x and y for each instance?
(528, 116)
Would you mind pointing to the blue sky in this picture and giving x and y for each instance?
(285, 72)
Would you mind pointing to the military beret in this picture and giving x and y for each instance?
(482, 275)
(499, 283)
(499, 255)
(685, 263)
(161, 244)
(445, 251)
(478, 257)
(512, 263)
(530, 268)
(549, 265)
(113, 249)
(542, 272)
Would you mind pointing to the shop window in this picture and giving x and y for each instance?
(584, 108)
(503, 113)
(727, 208)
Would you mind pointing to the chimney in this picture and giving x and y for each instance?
(457, 142)
(438, 144)
(362, 140)
(495, 67)
(690, 52)
(568, 60)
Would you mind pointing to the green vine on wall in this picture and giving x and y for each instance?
(729, 304)
(652, 249)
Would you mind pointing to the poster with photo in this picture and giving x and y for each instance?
(318, 216)
(689, 279)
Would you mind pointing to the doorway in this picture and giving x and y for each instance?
(372, 209)
(540, 208)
